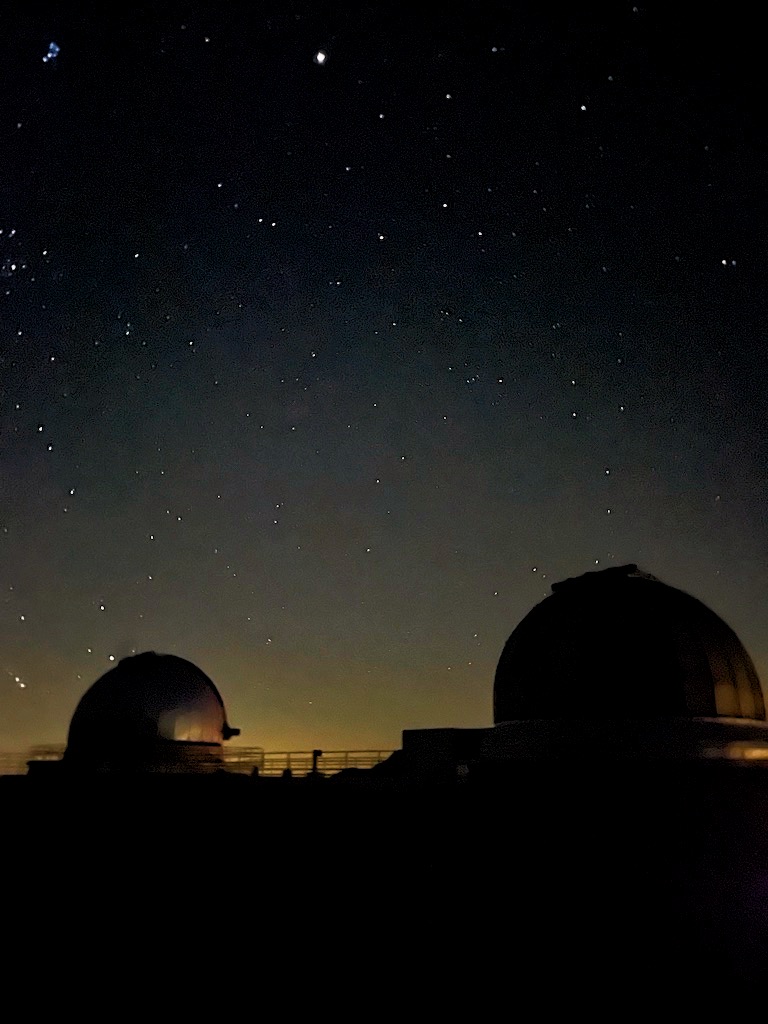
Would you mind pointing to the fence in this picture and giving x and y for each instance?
(300, 762)
(236, 759)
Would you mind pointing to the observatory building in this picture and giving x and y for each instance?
(613, 665)
(621, 644)
(150, 713)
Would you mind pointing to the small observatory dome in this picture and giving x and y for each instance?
(152, 712)
(620, 644)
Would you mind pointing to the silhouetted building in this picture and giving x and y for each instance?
(603, 826)
(621, 644)
(151, 713)
(613, 665)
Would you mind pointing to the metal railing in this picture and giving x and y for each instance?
(241, 760)
(300, 762)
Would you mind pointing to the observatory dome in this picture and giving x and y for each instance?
(150, 711)
(620, 644)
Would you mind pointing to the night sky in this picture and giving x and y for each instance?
(332, 335)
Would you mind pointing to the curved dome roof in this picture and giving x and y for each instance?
(146, 700)
(621, 644)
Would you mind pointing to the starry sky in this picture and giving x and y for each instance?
(332, 334)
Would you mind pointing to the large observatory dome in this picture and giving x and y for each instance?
(149, 712)
(620, 644)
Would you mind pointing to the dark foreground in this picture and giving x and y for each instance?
(548, 886)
